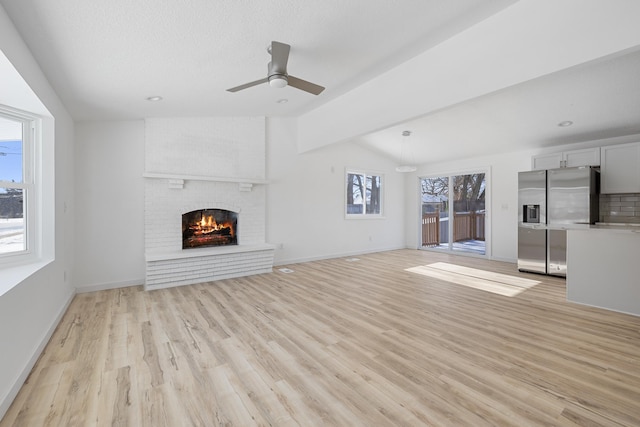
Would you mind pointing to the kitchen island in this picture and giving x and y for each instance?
(603, 267)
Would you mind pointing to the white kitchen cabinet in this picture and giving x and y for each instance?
(546, 161)
(567, 159)
(620, 171)
(584, 157)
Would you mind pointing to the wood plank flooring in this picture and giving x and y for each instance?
(337, 343)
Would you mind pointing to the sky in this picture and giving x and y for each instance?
(10, 160)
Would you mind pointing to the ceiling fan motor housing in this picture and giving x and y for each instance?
(278, 80)
(276, 75)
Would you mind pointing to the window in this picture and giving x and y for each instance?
(364, 194)
(16, 183)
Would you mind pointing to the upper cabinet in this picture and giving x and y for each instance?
(620, 171)
(546, 161)
(567, 159)
(584, 157)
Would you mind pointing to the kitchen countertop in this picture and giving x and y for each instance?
(604, 226)
(611, 226)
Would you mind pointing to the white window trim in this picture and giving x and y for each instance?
(31, 150)
(364, 215)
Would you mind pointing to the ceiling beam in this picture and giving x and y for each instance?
(527, 40)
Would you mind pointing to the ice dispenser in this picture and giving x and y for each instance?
(531, 214)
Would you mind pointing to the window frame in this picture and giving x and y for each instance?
(487, 171)
(31, 130)
(365, 175)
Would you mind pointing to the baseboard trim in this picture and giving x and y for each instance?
(332, 256)
(110, 285)
(509, 260)
(8, 399)
(348, 254)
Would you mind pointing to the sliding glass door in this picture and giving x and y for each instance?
(454, 213)
(435, 212)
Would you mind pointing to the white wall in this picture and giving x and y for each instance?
(30, 311)
(109, 205)
(305, 199)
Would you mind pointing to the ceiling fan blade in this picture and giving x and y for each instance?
(279, 57)
(248, 85)
(305, 85)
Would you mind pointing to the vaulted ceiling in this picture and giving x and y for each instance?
(104, 59)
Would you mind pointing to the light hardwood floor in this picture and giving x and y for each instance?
(339, 343)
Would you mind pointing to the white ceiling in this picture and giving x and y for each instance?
(602, 99)
(104, 58)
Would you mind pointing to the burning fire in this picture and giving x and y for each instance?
(208, 225)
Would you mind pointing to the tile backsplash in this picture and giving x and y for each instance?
(620, 208)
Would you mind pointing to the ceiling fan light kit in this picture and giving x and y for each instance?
(278, 81)
(277, 75)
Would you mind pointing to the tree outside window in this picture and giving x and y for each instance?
(364, 194)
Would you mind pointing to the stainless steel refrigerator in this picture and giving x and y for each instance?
(549, 202)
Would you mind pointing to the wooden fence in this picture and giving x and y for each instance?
(431, 229)
(466, 226)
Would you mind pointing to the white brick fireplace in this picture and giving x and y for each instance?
(204, 163)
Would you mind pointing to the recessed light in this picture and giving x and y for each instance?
(565, 123)
(154, 98)
(282, 101)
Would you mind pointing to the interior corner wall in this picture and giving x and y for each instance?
(31, 310)
(412, 222)
(109, 204)
(306, 199)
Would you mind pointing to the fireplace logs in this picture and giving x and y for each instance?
(209, 227)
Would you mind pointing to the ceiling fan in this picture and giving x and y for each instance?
(277, 72)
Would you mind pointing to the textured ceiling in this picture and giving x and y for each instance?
(104, 58)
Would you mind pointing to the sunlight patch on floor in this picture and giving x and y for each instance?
(497, 283)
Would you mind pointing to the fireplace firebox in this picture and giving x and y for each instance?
(209, 227)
